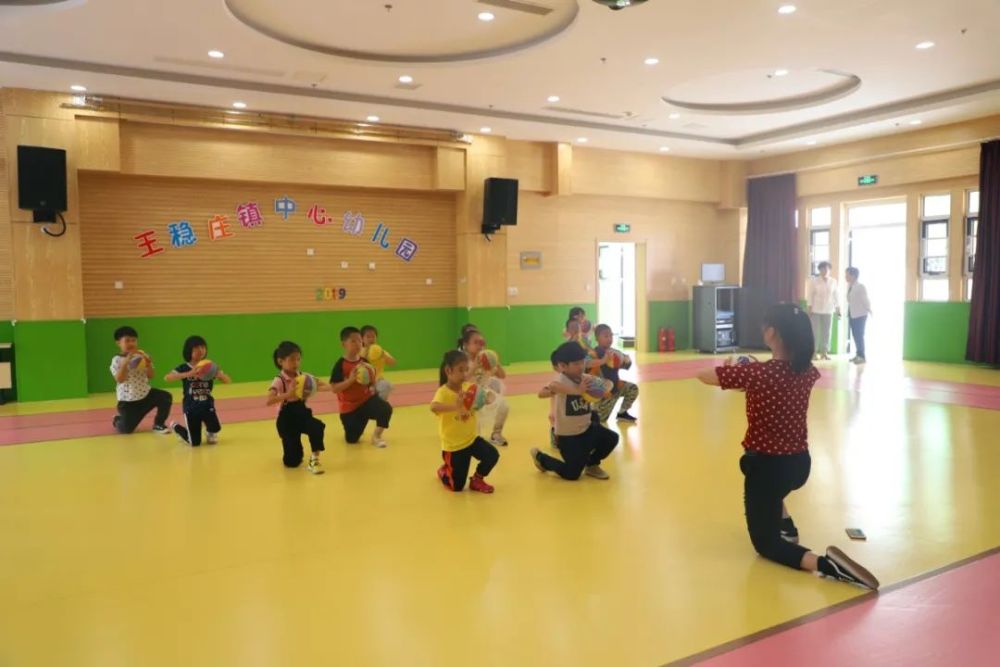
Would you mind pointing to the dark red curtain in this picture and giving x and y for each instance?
(770, 261)
(984, 318)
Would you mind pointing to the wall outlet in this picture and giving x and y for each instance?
(371, 266)
(119, 284)
(429, 281)
(343, 265)
(511, 291)
(310, 251)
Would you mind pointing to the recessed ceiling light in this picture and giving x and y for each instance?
(406, 78)
(373, 119)
(239, 105)
(216, 54)
(77, 88)
(651, 61)
(486, 16)
(781, 72)
(810, 142)
(664, 149)
(485, 130)
(916, 121)
(787, 9)
(923, 46)
(553, 98)
(674, 116)
(581, 140)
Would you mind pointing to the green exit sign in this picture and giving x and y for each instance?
(868, 179)
(622, 228)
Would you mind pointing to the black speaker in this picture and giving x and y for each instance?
(41, 181)
(499, 203)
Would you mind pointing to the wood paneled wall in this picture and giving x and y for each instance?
(262, 269)
(6, 258)
(679, 237)
(46, 270)
(240, 154)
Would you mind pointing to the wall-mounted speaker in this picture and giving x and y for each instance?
(499, 203)
(41, 181)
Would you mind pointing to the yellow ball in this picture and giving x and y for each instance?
(374, 352)
(365, 374)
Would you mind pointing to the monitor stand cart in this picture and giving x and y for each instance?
(715, 318)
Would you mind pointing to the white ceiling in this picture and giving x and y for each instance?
(718, 51)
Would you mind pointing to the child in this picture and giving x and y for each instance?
(460, 442)
(199, 405)
(132, 369)
(294, 417)
(583, 442)
(776, 459)
(369, 337)
(472, 343)
(358, 402)
(627, 391)
(574, 327)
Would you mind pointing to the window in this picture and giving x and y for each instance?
(819, 237)
(971, 232)
(934, 247)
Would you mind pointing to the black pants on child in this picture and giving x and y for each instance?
(579, 451)
(294, 421)
(766, 482)
(130, 413)
(355, 422)
(195, 415)
(456, 464)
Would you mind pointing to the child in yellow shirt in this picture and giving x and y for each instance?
(378, 357)
(460, 441)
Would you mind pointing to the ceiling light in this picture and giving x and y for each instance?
(373, 119)
(651, 61)
(781, 72)
(553, 98)
(485, 130)
(239, 105)
(916, 121)
(810, 142)
(581, 140)
(77, 88)
(486, 16)
(406, 78)
(787, 9)
(674, 116)
(79, 100)
(664, 149)
(216, 54)
(923, 46)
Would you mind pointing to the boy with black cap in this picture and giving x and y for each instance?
(580, 438)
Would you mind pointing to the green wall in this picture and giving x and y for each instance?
(667, 314)
(242, 344)
(50, 359)
(6, 332)
(935, 331)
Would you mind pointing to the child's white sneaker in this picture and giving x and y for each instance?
(315, 467)
(379, 442)
(212, 438)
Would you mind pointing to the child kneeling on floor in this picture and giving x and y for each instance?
(460, 440)
(581, 439)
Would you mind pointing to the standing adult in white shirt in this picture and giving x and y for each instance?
(821, 301)
(858, 310)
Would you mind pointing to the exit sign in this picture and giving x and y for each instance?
(622, 228)
(868, 179)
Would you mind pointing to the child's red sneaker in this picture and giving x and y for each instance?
(477, 483)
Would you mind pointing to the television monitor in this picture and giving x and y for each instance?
(713, 273)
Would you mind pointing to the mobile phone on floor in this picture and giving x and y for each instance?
(856, 534)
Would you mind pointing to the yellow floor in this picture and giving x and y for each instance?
(139, 551)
